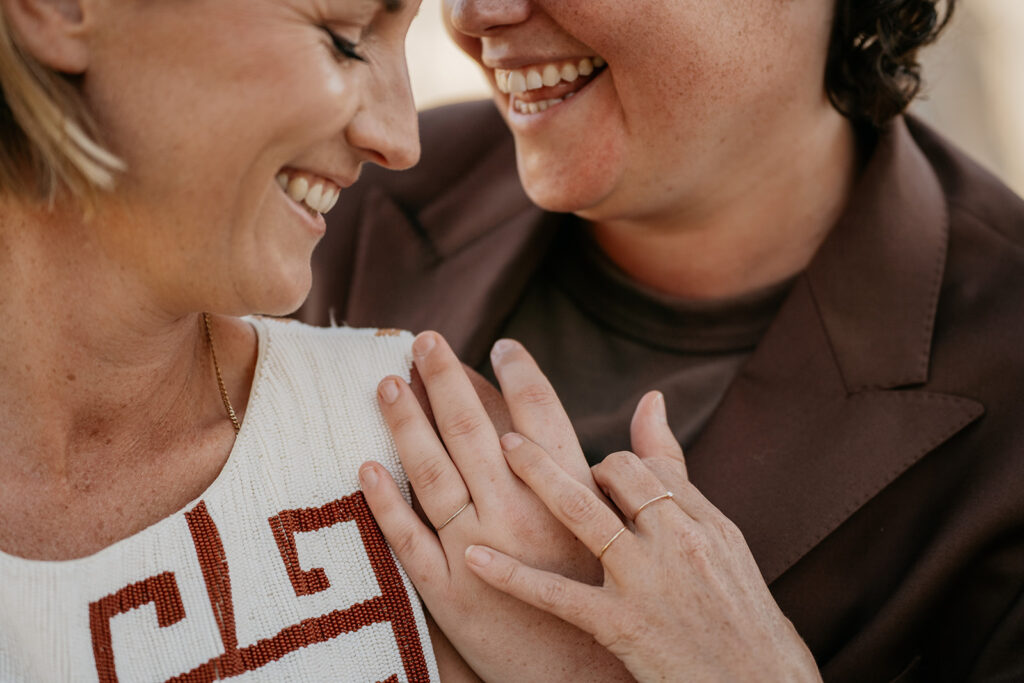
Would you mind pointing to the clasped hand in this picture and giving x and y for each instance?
(522, 521)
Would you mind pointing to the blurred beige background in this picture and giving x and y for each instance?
(974, 79)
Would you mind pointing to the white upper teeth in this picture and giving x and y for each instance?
(514, 81)
(317, 194)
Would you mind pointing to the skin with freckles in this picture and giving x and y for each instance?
(280, 96)
(678, 591)
(109, 404)
(681, 591)
(502, 638)
(707, 157)
(111, 413)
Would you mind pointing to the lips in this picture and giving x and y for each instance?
(546, 75)
(538, 87)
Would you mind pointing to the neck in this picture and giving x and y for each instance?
(91, 372)
(759, 224)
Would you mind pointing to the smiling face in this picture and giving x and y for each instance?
(634, 110)
(239, 121)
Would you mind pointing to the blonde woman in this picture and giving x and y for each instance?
(179, 496)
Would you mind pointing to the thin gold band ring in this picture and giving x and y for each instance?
(610, 541)
(454, 515)
(665, 496)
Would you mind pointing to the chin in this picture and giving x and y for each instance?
(556, 195)
(565, 187)
(282, 295)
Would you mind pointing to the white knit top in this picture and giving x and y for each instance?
(276, 573)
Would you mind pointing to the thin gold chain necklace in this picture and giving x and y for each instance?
(220, 377)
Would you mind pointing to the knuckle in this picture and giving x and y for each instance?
(578, 506)
(429, 473)
(550, 595)
(402, 422)
(664, 462)
(695, 543)
(730, 532)
(462, 424)
(509, 576)
(624, 637)
(535, 394)
(621, 461)
(406, 545)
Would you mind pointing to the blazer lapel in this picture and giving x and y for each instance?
(458, 266)
(834, 404)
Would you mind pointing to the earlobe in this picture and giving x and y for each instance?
(53, 32)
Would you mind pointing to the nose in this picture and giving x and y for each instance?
(385, 130)
(479, 17)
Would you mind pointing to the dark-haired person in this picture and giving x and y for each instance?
(724, 202)
(167, 512)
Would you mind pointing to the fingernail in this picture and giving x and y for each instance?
(511, 441)
(501, 347)
(368, 476)
(659, 404)
(478, 556)
(388, 390)
(424, 344)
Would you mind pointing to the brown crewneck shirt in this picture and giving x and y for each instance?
(604, 341)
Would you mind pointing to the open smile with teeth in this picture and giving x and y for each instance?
(539, 87)
(315, 194)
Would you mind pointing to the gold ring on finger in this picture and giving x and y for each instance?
(454, 515)
(665, 496)
(610, 541)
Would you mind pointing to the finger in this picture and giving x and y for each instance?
(576, 603)
(654, 442)
(536, 411)
(571, 502)
(414, 544)
(631, 486)
(658, 448)
(640, 494)
(461, 419)
(435, 479)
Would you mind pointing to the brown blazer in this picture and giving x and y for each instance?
(871, 449)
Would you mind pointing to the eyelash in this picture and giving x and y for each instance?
(343, 47)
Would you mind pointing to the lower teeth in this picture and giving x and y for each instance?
(538, 107)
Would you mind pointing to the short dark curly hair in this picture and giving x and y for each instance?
(872, 72)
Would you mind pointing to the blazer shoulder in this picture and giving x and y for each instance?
(975, 197)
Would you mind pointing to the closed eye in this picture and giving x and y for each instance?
(345, 48)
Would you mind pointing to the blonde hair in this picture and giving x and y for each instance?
(48, 141)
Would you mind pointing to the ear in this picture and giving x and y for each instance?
(53, 32)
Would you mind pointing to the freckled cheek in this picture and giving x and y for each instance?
(341, 96)
(320, 106)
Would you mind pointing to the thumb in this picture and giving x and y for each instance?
(653, 440)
